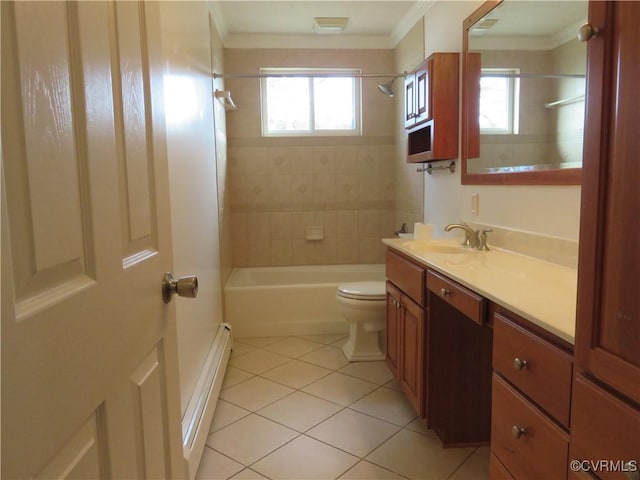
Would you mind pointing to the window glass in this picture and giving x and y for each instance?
(310, 105)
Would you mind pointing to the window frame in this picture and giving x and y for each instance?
(513, 102)
(312, 132)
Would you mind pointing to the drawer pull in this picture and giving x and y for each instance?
(519, 364)
(518, 432)
(444, 292)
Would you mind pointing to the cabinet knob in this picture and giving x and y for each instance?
(444, 292)
(587, 32)
(518, 432)
(519, 364)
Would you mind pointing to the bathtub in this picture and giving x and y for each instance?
(298, 300)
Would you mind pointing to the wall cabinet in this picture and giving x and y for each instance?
(431, 109)
(608, 313)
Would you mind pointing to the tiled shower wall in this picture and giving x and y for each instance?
(279, 186)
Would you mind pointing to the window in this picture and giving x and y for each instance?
(310, 105)
(499, 101)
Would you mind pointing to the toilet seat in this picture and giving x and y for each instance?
(363, 291)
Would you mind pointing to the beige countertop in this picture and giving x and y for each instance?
(542, 292)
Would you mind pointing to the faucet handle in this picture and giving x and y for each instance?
(483, 240)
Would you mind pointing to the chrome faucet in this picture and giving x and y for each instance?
(471, 236)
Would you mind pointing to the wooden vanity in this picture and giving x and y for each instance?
(475, 370)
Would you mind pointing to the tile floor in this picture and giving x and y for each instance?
(294, 408)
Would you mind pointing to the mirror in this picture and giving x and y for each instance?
(523, 93)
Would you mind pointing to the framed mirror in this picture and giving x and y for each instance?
(523, 93)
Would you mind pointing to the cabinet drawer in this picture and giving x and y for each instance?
(497, 470)
(406, 275)
(603, 428)
(540, 370)
(459, 297)
(541, 451)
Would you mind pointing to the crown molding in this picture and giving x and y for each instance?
(417, 12)
(218, 18)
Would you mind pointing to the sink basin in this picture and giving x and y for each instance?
(433, 247)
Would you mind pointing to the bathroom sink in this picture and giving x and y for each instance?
(425, 247)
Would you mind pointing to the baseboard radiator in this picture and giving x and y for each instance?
(199, 413)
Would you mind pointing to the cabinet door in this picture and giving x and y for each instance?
(608, 315)
(423, 103)
(412, 351)
(409, 100)
(393, 329)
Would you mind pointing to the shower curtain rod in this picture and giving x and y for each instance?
(309, 75)
(532, 75)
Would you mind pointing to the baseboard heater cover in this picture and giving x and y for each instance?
(199, 413)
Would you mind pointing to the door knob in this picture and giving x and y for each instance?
(184, 287)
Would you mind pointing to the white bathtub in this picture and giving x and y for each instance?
(300, 300)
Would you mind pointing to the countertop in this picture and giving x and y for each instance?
(542, 292)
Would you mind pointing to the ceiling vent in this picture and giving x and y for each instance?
(330, 24)
(486, 24)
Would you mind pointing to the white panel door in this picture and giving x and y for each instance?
(89, 355)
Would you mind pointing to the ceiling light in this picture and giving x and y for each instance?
(330, 24)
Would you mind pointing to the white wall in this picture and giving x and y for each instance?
(548, 210)
(191, 150)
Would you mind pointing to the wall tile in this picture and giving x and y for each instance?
(347, 250)
(279, 161)
(257, 189)
(259, 252)
(257, 226)
(302, 188)
(368, 223)
(324, 187)
(347, 188)
(347, 224)
(239, 230)
(370, 250)
(323, 159)
(281, 252)
(280, 226)
(279, 189)
(347, 159)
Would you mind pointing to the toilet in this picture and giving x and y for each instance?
(362, 304)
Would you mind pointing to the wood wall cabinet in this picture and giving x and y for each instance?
(608, 310)
(431, 109)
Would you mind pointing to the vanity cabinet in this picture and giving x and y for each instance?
(531, 390)
(406, 327)
(439, 350)
(431, 109)
(608, 309)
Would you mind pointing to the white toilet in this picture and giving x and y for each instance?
(362, 304)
